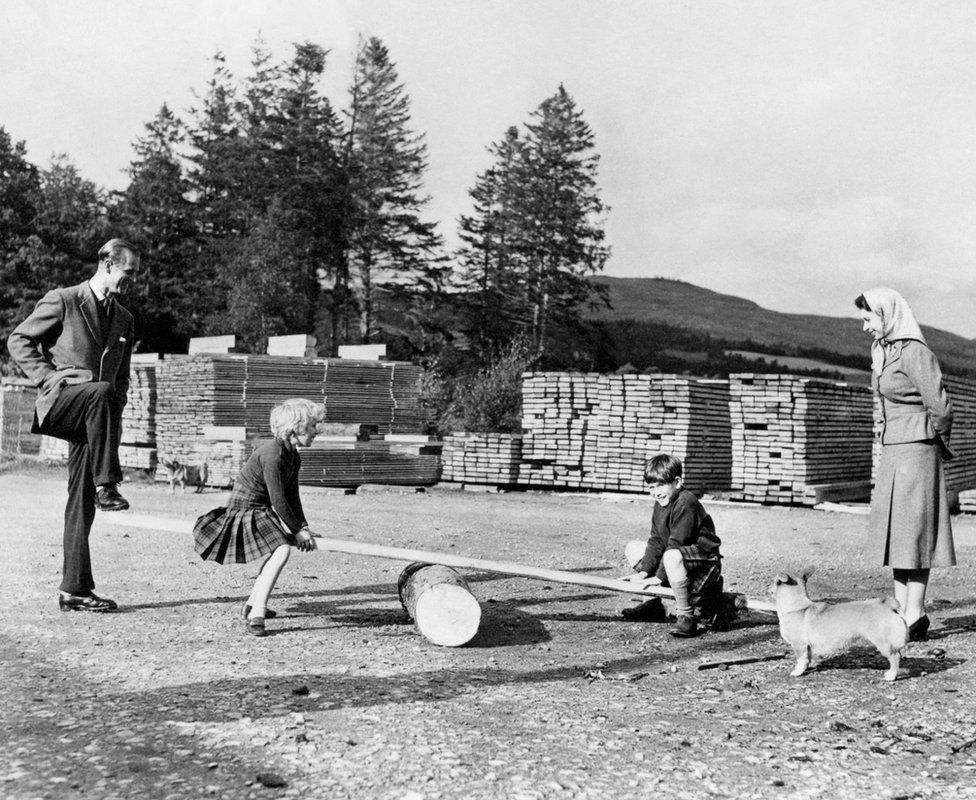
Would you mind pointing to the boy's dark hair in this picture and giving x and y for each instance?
(663, 468)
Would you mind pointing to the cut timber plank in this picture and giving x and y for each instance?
(173, 525)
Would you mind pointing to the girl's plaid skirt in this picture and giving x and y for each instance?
(238, 535)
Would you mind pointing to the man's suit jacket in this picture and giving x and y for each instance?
(61, 343)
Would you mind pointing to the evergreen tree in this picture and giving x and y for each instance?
(214, 155)
(269, 296)
(492, 265)
(19, 191)
(155, 213)
(311, 190)
(536, 233)
(71, 225)
(384, 162)
(562, 213)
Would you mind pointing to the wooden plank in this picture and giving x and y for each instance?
(183, 526)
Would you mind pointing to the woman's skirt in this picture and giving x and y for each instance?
(910, 524)
(238, 535)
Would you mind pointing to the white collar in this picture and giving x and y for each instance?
(100, 296)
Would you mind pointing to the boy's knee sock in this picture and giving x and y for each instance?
(682, 603)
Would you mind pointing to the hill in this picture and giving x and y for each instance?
(735, 321)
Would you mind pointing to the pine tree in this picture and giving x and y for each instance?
(19, 191)
(312, 187)
(70, 223)
(536, 233)
(221, 218)
(155, 213)
(388, 244)
(491, 262)
(562, 213)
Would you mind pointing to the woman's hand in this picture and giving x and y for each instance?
(305, 540)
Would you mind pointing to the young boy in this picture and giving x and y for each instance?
(682, 551)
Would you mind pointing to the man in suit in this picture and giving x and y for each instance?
(76, 347)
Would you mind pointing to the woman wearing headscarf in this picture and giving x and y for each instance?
(909, 508)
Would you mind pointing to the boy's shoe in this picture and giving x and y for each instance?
(649, 611)
(685, 626)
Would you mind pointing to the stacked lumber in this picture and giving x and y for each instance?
(138, 448)
(799, 440)
(595, 432)
(136, 457)
(201, 393)
(406, 384)
(348, 461)
(961, 471)
(359, 391)
(557, 409)
(967, 501)
(53, 449)
(194, 393)
(17, 396)
(269, 380)
(481, 458)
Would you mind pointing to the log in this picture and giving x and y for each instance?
(448, 560)
(440, 603)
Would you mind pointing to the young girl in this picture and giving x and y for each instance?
(264, 515)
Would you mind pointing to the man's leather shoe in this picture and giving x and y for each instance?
(85, 602)
(109, 499)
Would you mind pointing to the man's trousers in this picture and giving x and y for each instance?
(88, 417)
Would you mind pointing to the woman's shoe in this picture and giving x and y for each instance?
(918, 631)
(255, 626)
(268, 613)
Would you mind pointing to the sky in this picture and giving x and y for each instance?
(791, 153)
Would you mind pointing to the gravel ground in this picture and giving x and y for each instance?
(557, 696)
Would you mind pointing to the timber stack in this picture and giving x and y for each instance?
(389, 459)
(595, 432)
(211, 408)
(481, 458)
(961, 471)
(17, 396)
(799, 440)
(138, 443)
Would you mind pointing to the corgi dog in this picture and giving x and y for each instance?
(180, 474)
(817, 629)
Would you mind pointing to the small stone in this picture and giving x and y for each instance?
(271, 779)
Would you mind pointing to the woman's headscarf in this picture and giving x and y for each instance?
(897, 322)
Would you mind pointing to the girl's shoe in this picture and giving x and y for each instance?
(255, 627)
(918, 631)
(268, 613)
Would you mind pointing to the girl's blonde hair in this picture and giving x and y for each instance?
(293, 415)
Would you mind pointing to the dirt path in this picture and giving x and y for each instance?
(557, 697)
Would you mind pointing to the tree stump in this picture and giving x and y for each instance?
(440, 604)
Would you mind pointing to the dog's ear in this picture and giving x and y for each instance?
(782, 578)
(807, 572)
